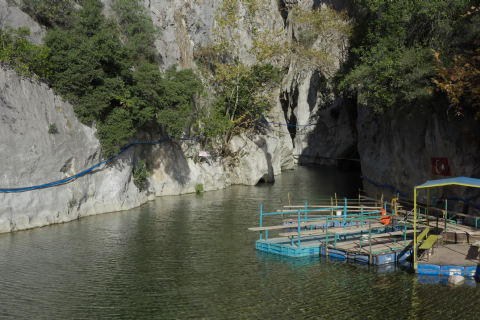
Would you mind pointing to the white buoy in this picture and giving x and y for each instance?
(339, 212)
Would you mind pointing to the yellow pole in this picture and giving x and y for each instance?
(336, 202)
(289, 199)
(415, 228)
(428, 205)
(331, 202)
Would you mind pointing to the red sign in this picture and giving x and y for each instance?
(440, 167)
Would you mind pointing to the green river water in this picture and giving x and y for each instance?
(192, 257)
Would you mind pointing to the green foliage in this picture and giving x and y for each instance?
(50, 13)
(391, 61)
(141, 173)
(243, 99)
(24, 57)
(199, 188)
(175, 103)
(460, 79)
(137, 29)
(116, 84)
(52, 128)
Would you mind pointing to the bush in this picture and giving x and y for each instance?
(141, 173)
(24, 57)
(51, 13)
(392, 63)
(199, 188)
(52, 128)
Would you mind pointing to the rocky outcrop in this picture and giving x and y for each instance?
(394, 150)
(14, 17)
(33, 154)
(397, 150)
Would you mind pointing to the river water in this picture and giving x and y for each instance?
(192, 257)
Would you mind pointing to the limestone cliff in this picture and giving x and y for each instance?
(398, 150)
(31, 155)
(394, 151)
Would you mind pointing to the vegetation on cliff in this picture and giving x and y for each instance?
(460, 79)
(107, 67)
(245, 81)
(24, 57)
(392, 63)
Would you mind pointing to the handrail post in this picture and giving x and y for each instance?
(326, 232)
(446, 213)
(331, 202)
(361, 209)
(298, 228)
(261, 215)
(370, 236)
(428, 206)
(306, 212)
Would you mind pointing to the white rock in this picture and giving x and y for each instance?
(456, 279)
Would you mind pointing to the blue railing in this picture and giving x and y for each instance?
(306, 211)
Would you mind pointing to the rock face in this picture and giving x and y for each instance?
(33, 156)
(395, 152)
(398, 150)
(14, 17)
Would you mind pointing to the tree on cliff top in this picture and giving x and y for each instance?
(461, 79)
(391, 58)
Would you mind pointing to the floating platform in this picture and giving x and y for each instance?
(452, 259)
(384, 251)
(358, 230)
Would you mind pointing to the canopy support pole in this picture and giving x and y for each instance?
(415, 228)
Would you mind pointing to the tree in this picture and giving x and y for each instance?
(391, 65)
(461, 79)
(116, 83)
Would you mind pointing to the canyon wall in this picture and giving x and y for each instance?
(32, 156)
(392, 150)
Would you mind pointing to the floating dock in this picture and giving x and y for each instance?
(357, 229)
(446, 246)
(376, 232)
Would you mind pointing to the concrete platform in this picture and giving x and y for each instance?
(454, 255)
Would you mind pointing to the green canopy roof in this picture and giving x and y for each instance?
(462, 181)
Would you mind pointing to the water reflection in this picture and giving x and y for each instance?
(192, 257)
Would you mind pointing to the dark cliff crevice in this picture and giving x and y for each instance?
(289, 103)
